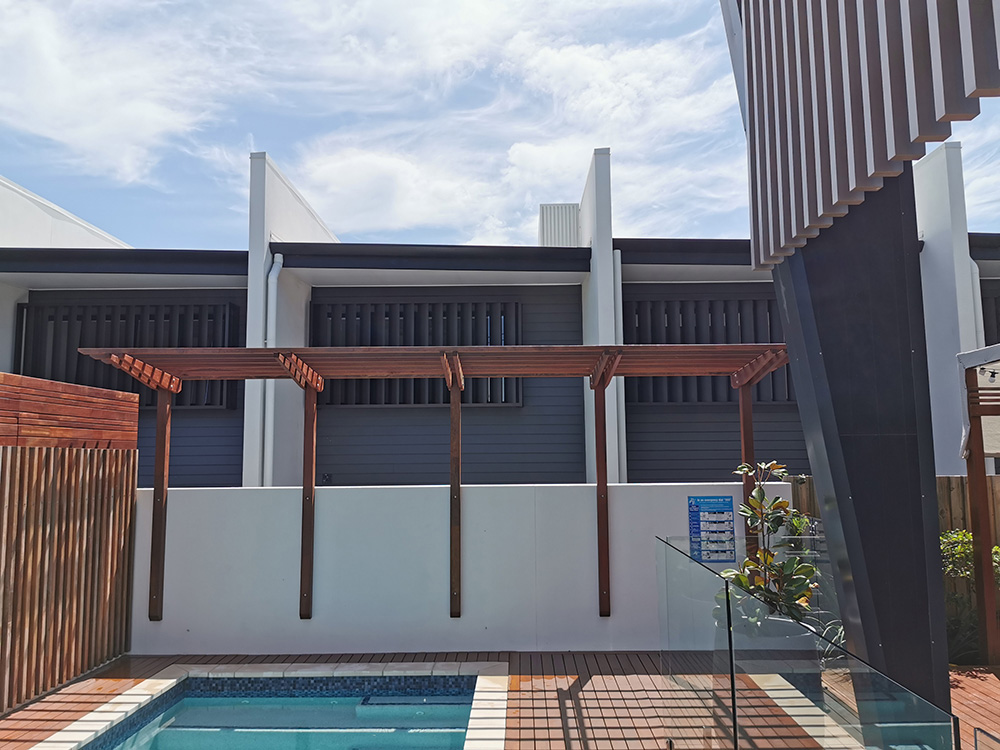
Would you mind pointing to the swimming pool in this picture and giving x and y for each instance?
(429, 723)
(305, 708)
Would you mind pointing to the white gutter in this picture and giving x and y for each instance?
(620, 382)
(270, 340)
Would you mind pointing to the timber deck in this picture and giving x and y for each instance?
(556, 701)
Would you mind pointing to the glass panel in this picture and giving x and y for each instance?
(697, 700)
(796, 688)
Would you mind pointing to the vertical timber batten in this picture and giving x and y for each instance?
(161, 480)
(603, 548)
(982, 531)
(747, 457)
(308, 505)
(455, 504)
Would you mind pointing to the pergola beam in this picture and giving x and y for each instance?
(605, 368)
(149, 376)
(757, 369)
(300, 372)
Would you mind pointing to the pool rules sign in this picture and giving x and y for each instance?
(711, 526)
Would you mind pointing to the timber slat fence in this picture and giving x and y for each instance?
(953, 502)
(66, 533)
(953, 513)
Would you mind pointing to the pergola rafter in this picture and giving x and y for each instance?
(166, 369)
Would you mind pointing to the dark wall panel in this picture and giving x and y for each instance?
(701, 443)
(686, 429)
(540, 441)
(206, 447)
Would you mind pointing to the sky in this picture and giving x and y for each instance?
(400, 121)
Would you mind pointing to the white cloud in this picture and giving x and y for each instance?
(110, 91)
(461, 115)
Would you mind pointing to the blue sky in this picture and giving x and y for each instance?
(420, 121)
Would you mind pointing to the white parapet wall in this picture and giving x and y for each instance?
(529, 569)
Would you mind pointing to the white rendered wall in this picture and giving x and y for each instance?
(278, 212)
(599, 300)
(293, 330)
(27, 220)
(951, 303)
(9, 297)
(529, 569)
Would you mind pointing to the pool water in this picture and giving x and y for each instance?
(313, 723)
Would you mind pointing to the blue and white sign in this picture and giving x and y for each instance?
(711, 526)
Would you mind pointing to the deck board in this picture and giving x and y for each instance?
(556, 700)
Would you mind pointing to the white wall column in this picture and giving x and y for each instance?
(599, 298)
(952, 303)
(280, 213)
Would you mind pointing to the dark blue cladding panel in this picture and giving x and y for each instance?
(206, 447)
(540, 441)
(701, 442)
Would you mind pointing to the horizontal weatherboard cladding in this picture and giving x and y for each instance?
(701, 442)
(539, 441)
(206, 447)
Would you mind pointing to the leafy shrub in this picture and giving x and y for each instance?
(787, 585)
(957, 556)
(957, 559)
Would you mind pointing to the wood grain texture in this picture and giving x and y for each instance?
(43, 413)
(308, 505)
(66, 549)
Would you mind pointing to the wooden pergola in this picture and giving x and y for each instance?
(165, 371)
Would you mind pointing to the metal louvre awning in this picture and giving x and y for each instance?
(165, 370)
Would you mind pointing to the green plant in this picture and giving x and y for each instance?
(958, 562)
(784, 585)
(958, 558)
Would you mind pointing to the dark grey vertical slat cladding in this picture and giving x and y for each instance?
(207, 440)
(991, 310)
(206, 447)
(540, 441)
(701, 442)
(687, 429)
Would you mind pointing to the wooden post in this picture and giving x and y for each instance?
(308, 505)
(603, 547)
(161, 480)
(982, 531)
(747, 457)
(455, 508)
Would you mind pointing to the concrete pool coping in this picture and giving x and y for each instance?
(487, 719)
